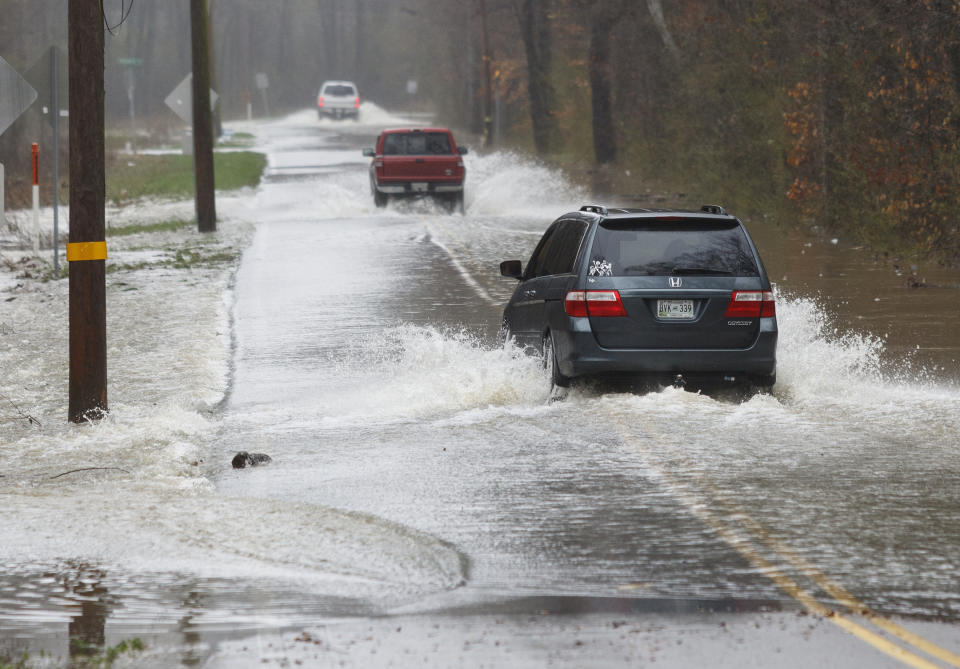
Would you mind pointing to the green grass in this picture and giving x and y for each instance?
(237, 140)
(185, 258)
(190, 258)
(166, 226)
(83, 655)
(196, 253)
(133, 177)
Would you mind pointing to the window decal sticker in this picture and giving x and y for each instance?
(601, 267)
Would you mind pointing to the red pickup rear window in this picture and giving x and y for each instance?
(417, 144)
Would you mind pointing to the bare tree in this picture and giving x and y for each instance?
(533, 17)
(602, 17)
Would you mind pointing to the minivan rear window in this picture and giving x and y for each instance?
(658, 248)
(416, 144)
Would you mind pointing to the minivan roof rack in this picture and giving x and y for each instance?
(595, 209)
(714, 209)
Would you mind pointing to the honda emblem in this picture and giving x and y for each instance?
(675, 282)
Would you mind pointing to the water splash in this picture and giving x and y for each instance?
(412, 372)
(505, 183)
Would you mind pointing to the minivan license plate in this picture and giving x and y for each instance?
(675, 309)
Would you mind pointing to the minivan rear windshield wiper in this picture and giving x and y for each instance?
(699, 270)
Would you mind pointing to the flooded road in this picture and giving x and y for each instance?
(367, 366)
(421, 472)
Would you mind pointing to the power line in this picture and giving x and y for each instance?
(125, 11)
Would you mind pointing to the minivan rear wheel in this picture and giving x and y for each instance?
(550, 364)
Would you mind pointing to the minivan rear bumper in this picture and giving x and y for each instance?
(578, 354)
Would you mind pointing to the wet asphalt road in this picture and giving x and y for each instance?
(366, 365)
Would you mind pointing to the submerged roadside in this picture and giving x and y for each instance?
(121, 520)
(168, 290)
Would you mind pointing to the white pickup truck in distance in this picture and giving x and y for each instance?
(338, 99)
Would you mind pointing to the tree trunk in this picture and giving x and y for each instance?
(604, 144)
(360, 44)
(487, 76)
(656, 13)
(535, 32)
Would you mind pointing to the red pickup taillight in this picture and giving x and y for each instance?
(356, 103)
(319, 100)
(751, 304)
(595, 303)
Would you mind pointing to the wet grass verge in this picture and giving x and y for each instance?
(171, 176)
(83, 655)
(187, 250)
(136, 229)
(187, 258)
(238, 140)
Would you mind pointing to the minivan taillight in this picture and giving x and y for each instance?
(594, 303)
(319, 100)
(769, 308)
(751, 304)
(356, 103)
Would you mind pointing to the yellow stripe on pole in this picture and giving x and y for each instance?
(86, 251)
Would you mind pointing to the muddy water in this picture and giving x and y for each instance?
(914, 309)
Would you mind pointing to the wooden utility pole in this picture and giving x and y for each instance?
(202, 119)
(87, 250)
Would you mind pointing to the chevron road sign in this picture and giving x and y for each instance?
(16, 95)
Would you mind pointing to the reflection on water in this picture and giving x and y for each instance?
(87, 631)
(191, 635)
(74, 611)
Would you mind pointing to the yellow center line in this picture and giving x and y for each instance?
(836, 591)
(789, 586)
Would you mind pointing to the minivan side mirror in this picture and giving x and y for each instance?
(369, 153)
(512, 269)
(462, 150)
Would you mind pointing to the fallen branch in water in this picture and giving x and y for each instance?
(90, 469)
(23, 415)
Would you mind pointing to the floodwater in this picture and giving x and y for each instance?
(419, 468)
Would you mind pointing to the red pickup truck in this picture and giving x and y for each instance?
(411, 162)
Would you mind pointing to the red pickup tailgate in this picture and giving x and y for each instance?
(422, 168)
(428, 155)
